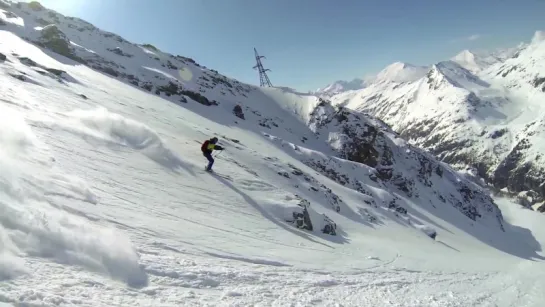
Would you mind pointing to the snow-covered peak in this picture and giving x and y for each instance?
(341, 86)
(526, 67)
(468, 60)
(476, 110)
(397, 72)
(401, 72)
(478, 61)
(464, 55)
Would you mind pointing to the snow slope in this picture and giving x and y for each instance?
(105, 202)
(471, 112)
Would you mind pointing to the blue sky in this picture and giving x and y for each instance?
(309, 43)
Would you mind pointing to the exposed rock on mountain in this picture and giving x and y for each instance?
(471, 111)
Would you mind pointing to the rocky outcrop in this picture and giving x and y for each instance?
(150, 47)
(303, 217)
(359, 138)
(54, 73)
(237, 110)
(170, 89)
(55, 40)
(199, 98)
(539, 83)
(119, 51)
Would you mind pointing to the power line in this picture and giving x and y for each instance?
(263, 78)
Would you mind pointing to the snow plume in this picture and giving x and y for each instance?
(115, 129)
(539, 36)
(31, 222)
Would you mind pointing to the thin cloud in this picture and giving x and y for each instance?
(474, 37)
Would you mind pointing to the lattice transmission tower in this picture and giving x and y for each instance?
(263, 78)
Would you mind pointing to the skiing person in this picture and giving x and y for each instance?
(207, 147)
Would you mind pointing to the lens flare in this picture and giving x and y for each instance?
(185, 74)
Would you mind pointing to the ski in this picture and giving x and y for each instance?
(212, 172)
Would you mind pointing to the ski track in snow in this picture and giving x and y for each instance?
(104, 202)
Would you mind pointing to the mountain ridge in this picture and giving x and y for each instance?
(478, 105)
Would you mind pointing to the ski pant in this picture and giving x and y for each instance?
(208, 156)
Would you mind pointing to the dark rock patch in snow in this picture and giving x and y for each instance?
(150, 47)
(119, 51)
(199, 98)
(539, 83)
(18, 76)
(105, 69)
(52, 38)
(10, 15)
(237, 111)
(51, 72)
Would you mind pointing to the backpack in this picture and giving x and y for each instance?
(204, 146)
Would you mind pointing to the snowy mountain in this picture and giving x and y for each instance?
(105, 201)
(485, 120)
(396, 72)
(341, 86)
(476, 61)
(400, 73)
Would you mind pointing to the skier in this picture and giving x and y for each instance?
(207, 147)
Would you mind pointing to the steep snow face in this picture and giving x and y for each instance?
(104, 196)
(485, 120)
(526, 68)
(524, 77)
(393, 164)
